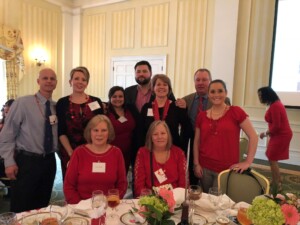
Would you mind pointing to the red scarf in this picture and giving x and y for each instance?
(156, 112)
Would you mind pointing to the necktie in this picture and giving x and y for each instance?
(200, 107)
(48, 139)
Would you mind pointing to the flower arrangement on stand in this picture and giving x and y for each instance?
(278, 210)
(157, 209)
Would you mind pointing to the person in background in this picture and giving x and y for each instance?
(123, 121)
(279, 132)
(27, 144)
(195, 103)
(74, 112)
(159, 163)
(217, 135)
(162, 108)
(4, 111)
(97, 165)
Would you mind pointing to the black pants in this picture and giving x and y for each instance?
(33, 187)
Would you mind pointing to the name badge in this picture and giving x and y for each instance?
(94, 105)
(150, 112)
(160, 175)
(53, 119)
(122, 119)
(99, 167)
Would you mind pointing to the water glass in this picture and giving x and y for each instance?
(98, 199)
(8, 218)
(59, 207)
(215, 195)
(145, 192)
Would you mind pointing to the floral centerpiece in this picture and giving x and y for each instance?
(157, 209)
(282, 209)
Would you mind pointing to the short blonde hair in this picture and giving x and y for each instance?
(83, 70)
(154, 124)
(93, 123)
(164, 78)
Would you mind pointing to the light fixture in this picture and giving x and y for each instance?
(40, 62)
(39, 55)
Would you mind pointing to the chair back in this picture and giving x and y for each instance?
(243, 148)
(243, 187)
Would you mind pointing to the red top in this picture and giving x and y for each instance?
(81, 181)
(280, 132)
(174, 169)
(123, 135)
(219, 139)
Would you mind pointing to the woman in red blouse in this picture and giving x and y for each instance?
(217, 135)
(159, 163)
(279, 132)
(123, 121)
(96, 165)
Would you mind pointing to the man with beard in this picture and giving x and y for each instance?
(136, 96)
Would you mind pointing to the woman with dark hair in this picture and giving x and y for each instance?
(162, 108)
(74, 112)
(279, 132)
(4, 111)
(217, 136)
(123, 121)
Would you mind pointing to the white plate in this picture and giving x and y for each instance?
(76, 221)
(36, 218)
(129, 219)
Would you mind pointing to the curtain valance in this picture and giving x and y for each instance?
(11, 45)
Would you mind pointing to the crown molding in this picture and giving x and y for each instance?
(84, 4)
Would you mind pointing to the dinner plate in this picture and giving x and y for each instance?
(36, 218)
(199, 219)
(76, 221)
(129, 219)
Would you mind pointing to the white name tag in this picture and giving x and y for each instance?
(99, 167)
(122, 119)
(150, 112)
(53, 119)
(94, 105)
(160, 175)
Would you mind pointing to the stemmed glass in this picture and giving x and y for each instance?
(59, 207)
(145, 192)
(195, 192)
(98, 199)
(215, 195)
(113, 200)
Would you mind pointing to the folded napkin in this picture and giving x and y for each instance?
(138, 218)
(179, 196)
(84, 208)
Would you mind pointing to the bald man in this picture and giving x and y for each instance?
(27, 151)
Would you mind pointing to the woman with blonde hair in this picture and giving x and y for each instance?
(74, 112)
(97, 165)
(159, 163)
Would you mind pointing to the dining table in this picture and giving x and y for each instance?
(204, 212)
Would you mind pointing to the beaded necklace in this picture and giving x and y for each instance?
(214, 123)
(82, 112)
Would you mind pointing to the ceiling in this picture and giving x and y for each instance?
(83, 3)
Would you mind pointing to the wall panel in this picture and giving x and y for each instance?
(123, 29)
(190, 43)
(94, 50)
(155, 25)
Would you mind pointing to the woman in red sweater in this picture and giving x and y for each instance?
(279, 132)
(96, 165)
(159, 163)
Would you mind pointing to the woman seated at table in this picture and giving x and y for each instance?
(96, 165)
(159, 163)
